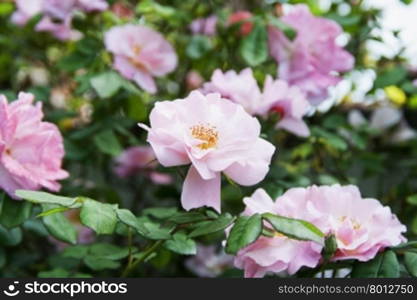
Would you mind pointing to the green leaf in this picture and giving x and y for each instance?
(289, 32)
(6, 8)
(187, 217)
(198, 46)
(410, 262)
(77, 251)
(55, 273)
(391, 76)
(207, 227)
(254, 47)
(14, 212)
(10, 237)
(108, 251)
(53, 211)
(100, 217)
(383, 265)
(181, 244)
(330, 139)
(106, 84)
(160, 212)
(107, 142)
(99, 263)
(46, 198)
(330, 247)
(2, 258)
(294, 228)
(244, 232)
(59, 226)
(412, 199)
(155, 231)
(129, 219)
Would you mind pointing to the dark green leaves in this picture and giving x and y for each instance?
(181, 244)
(100, 217)
(14, 213)
(294, 228)
(254, 47)
(107, 142)
(245, 231)
(59, 226)
(383, 265)
(198, 46)
(106, 84)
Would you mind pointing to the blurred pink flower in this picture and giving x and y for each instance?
(193, 80)
(240, 88)
(92, 5)
(31, 151)
(140, 53)
(205, 26)
(312, 58)
(362, 226)
(137, 159)
(61, 30)
(215, 136)
(278, 253)
(289, 102)
(208, 262)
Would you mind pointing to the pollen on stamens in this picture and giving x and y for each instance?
(207, 134)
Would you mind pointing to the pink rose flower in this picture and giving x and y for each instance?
(289, 102)
(140, 54)
(205, 26)
(278, 253)
(140, 159)
(312, 58)
(215, 136)
(208, 262)
(31, 151)
(61, 30)
(240, 88)
(362, 226)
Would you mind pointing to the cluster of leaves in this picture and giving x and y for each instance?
(153, 231)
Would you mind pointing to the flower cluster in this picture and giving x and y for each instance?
(361, 226)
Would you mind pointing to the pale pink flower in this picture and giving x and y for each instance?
(140, 159)
(92, 5)
(26, 10)
(31, 151)
(140, 54)
(61, 30)
(208, 262)
(240, 88)
(214, 135)
(362, 226)
(279, 253)
(312, 58)
(289, 102)
(205, 26)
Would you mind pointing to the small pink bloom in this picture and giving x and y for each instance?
(215, 136)
(205, 26)
(208, 262)
(122, 10)
(240, 17)
(92, 5)
(137, 159)
(26, 10)
(31, 151)
(140, 53)
(415, 82)
(240, 88)
(58, 9)
(312, 58)
(289, 102)
(60, 30)
(278, 253)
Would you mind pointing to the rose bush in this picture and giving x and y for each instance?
(210, 139)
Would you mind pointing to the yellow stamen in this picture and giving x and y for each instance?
(206, 133)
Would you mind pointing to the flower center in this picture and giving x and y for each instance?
(205, 133)
(134, 60)
(356, 225)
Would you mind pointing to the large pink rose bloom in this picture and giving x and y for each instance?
(278, 253)
(140, 54)
(312, 58)
(214, 135)
(31, 151)
(26, 10)
(240, 88)
(362, 226)
(289, 102)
